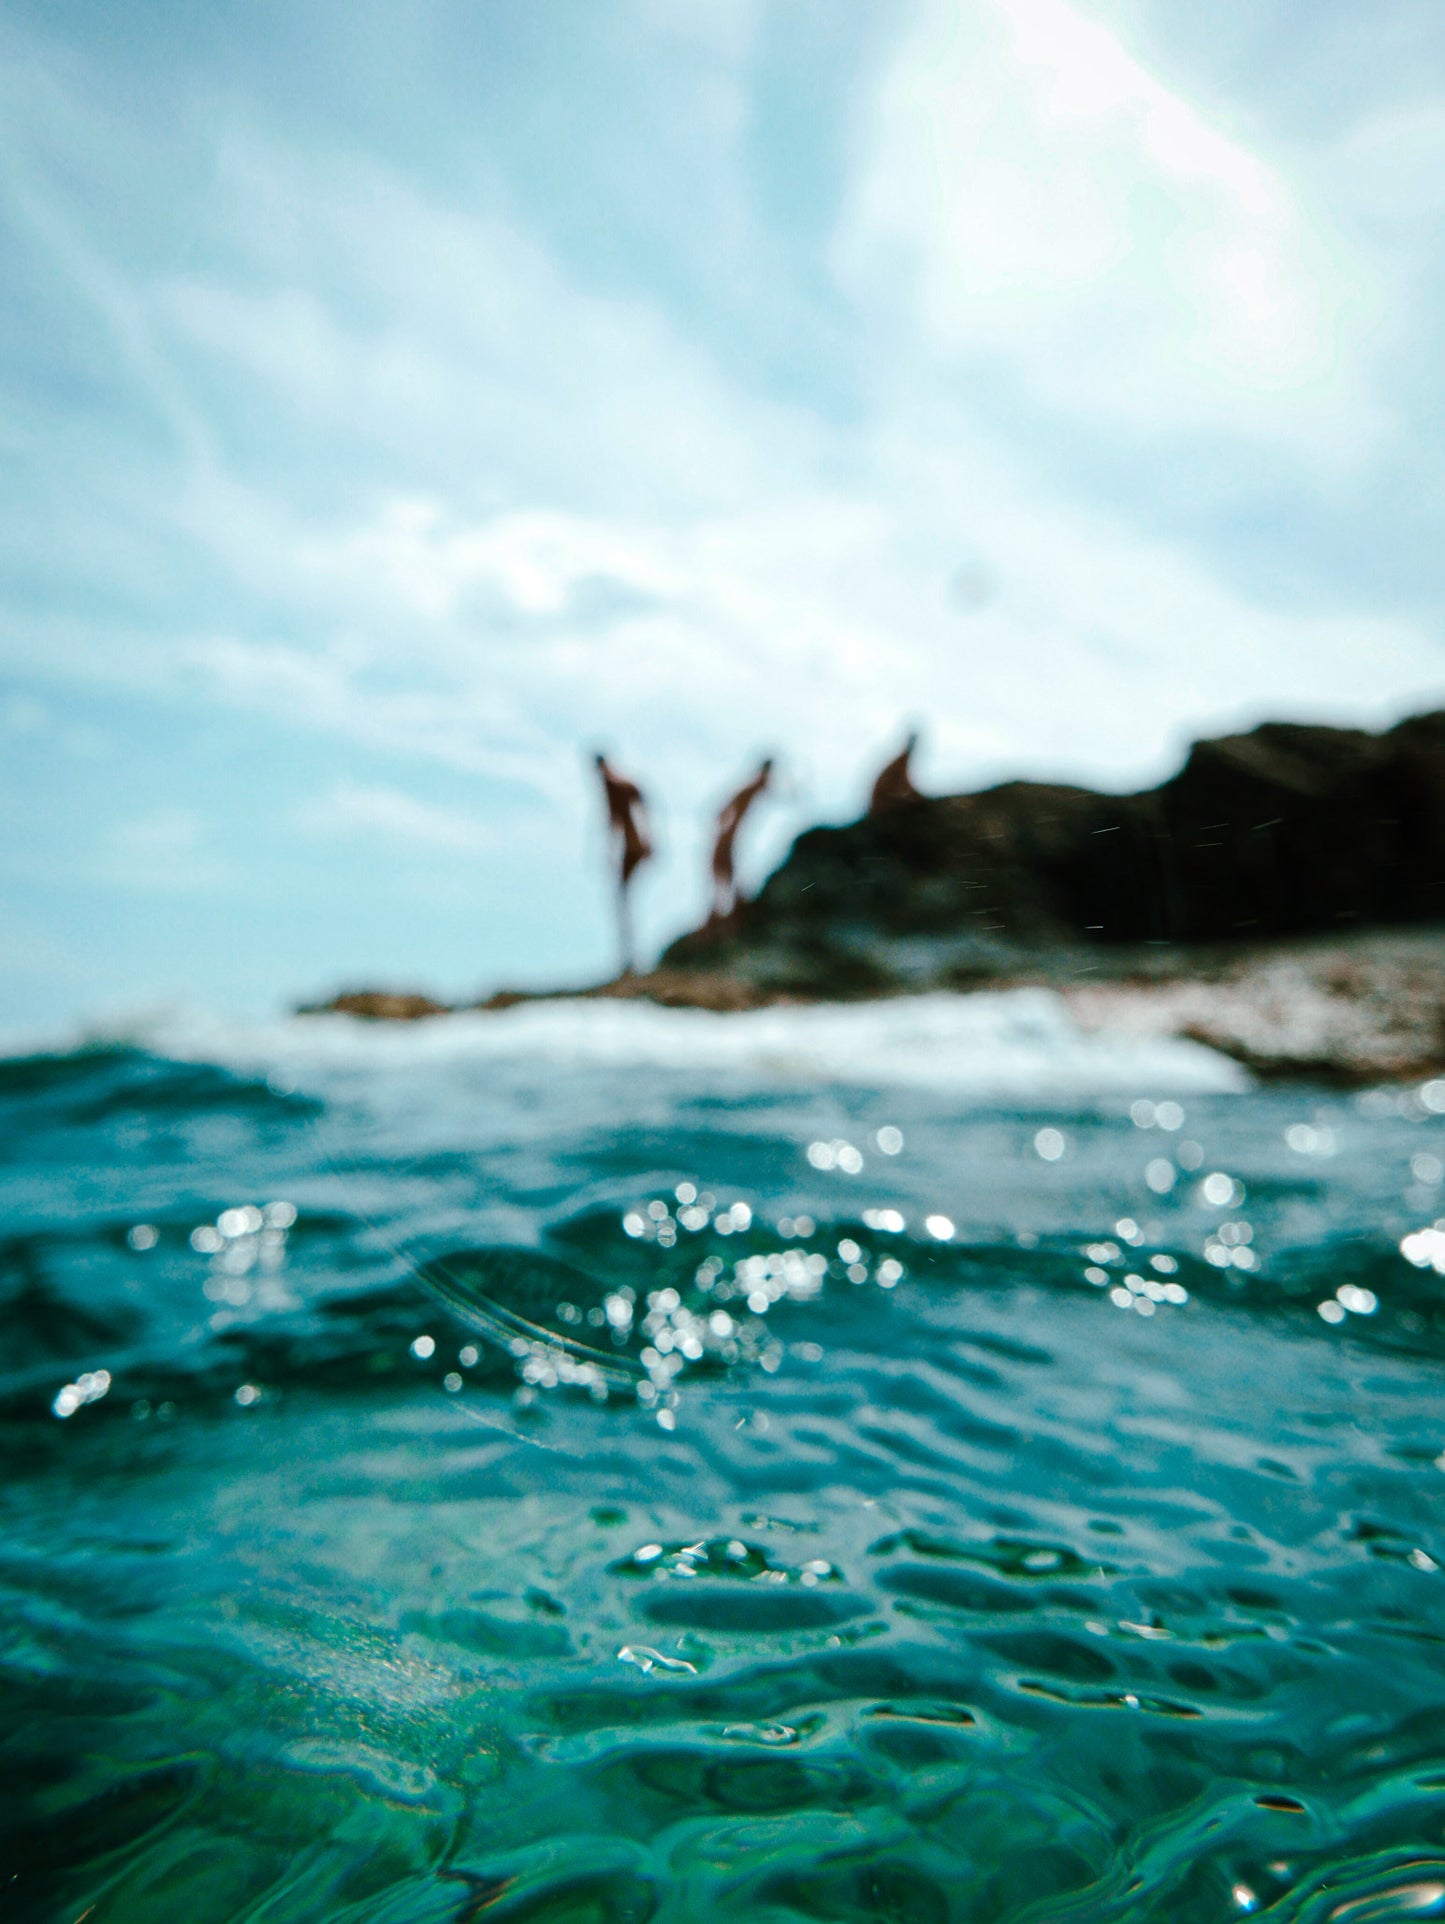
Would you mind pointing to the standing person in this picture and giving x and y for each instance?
(729, 821)
(894, 784)
(627, 823)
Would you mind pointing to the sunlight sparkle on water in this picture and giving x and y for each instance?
(1219, 1191)
(88, 1387)
(836, 1155)
(1425, 1248)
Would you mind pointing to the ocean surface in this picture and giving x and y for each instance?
(915, 1462)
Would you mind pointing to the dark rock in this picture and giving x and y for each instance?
(1290, 830)
(1275, 899)
(378, 1005)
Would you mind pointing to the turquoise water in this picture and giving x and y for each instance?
(451, 1485)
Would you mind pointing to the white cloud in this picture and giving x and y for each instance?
(371, 813)
(1032, 193)
(427, 704)
(815, 622)
(1390, 167)
(537, 563)
(449, 341)
(691, 568)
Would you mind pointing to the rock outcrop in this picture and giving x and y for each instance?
(378, 1005)
(1288, 831)
(1280, 898)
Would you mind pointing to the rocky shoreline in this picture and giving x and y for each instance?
(1350, 1013)
(1365, 1009)
(1282, 899)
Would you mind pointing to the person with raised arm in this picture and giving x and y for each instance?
(627, 826)
(729, 821)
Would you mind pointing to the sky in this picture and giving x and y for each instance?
(400, 401)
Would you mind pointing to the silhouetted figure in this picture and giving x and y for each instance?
(894, 783)
(729, 821)
(627, 822)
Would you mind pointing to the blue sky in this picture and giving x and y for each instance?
(399, 400)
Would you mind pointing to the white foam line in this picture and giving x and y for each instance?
(1015, 1042)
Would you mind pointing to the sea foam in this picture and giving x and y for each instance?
(1012, 1043)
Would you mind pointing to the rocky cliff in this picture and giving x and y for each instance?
(1281, 898)
(1289, 831)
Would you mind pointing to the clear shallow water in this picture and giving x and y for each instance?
(485, 1543)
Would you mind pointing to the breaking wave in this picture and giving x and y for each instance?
(1022, 1043)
